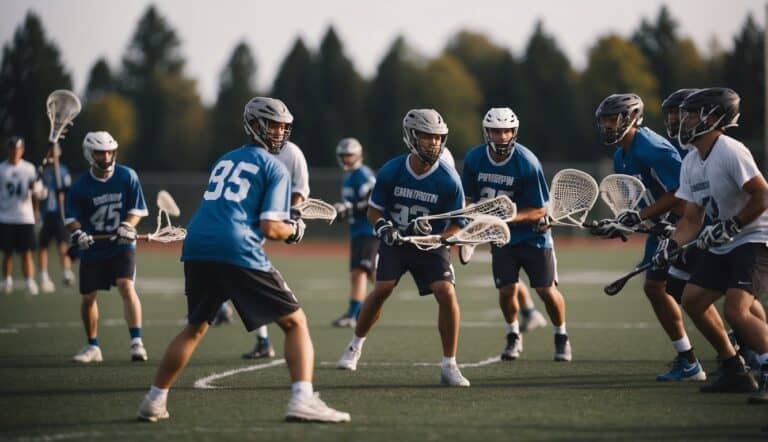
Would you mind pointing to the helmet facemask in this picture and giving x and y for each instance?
(500, 149)
(430, 153)
(687, 136)
(613, 135)
(672, 121)
(261, 134)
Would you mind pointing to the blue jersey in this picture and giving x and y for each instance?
(652, 159)
(356, 188)
(519, 176)
(680, 150)
(100, 205)
(246, 186)
(402, 195)
(51, 203)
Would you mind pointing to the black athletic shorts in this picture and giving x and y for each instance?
(651, 244)
(426, 266)
(53, 229)
(539, 264)
(102, 274)
(680, 273)
(17, 238)
(745, 268)
(362, 253)
(259, 297)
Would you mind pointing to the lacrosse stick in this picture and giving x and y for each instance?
(169, 233)
(615, 287)
(500, 207)
(573, 194)
(624, 192)
(482, 229)
(315, 209)
(62, 107)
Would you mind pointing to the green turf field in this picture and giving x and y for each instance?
(607, 392)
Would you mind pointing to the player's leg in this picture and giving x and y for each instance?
(362, 266)
(263, 347)
(24, 244)
(89, 313)
(44, 240)
(530, 318)
(28, 270)
(67, 276)
(505, 266)
(449, 316)
(124, 272)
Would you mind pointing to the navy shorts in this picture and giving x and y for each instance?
(259, 297)
(426, 266)
(745, 267)
(17, 238)
(680, 273)
(53, 229)
(102, 274)
(539, 264)
(362, 253)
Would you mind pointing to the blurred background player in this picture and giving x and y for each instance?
(502, 166)
(106, 200)
(291, 156)
(18, 186)
(409, 186)
(53, 228)
(246, 202)
(641, 152)
(356, 187)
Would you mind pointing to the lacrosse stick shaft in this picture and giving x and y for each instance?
(106, 236)
(55, 152)
(615, 287)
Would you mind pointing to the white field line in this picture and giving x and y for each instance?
(207, 382)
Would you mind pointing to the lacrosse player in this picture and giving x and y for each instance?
(18, 186)
(246, 201)
(502, 166)
(356, 188)
(409, 186)
(53, 226)
(721, 180)
(106, 200)
(642, 153)
(293, 159)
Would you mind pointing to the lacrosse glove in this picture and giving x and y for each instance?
(387, 232)
(628, 218)
(722, 232)
(420, 227)
(80, 239)
(126, 234)
(298, 231)
(667, 253)
(343, 209)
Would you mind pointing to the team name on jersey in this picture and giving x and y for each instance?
(414, 194)
(495, 178)
(107, 198)
(698, 187)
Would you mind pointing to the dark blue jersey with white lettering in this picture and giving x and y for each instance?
(356, 188)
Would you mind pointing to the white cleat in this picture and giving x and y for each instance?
(47, 286)
(32, 288)
(312, 409)
(89, 353)
(562, 348)
(349, 358)
(452, 377)
(68, 278)
(138, 352)
(8, 286)
(534, 321)
(152, 411)
(345, 321)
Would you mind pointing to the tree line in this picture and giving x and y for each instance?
(152, 106)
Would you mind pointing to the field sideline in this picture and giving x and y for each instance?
(608, 392)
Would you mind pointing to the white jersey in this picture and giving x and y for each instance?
(293, 159)
(716, 185)
(15, 196)
(447, 156)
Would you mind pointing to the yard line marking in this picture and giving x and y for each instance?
(9, 331)
(206, 382)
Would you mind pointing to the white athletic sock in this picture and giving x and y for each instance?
(513, 327)
(136, 341)
(682, 344)
(262, 332)
(357, 342)
(44, 276)
(447, 362)
(763, 358)
(302, 389)
(9, 280)
(157, 394)
(560, 329)
(30, 281)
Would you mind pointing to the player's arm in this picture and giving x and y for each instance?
(450, 230)
(529, 215)
(757, 188)
(276, 230)
(688, 226)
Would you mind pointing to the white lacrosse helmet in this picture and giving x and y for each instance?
(261, 109)
(427, 121)
(99, 141)
(500, 118)
(349, 146)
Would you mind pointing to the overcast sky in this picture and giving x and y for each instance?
(87, 29)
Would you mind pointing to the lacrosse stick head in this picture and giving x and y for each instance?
(481, 230)
(62, 107)
(621, 192)
(572, 195)
(166, 203)
(168, 234)
(316, 209)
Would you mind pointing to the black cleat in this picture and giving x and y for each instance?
(514, 347)
(761, 395)
(738, 382)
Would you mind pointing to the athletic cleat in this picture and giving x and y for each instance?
(761, 395)
(46, 285)
(562, 348)
(262, 349)
(682, 370)
(7, 286)
(151, 411)
(89, 353)
(68, 278)
(349, 358)
(313, 409)
(533, 321)
(452, 377)
(345, 321)
(514, 347)
(224, 315)
(740, 382)
(32, 288)
(138, 352)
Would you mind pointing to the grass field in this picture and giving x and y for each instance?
(607, 392)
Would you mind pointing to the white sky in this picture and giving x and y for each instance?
(87, 29)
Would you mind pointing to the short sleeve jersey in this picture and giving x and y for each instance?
(356, 187)
(15, 196)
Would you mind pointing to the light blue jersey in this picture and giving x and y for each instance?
(402, 195)
(519, 176)
(246, 186)
(100, 205)
(51, 203)
(356, 187)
